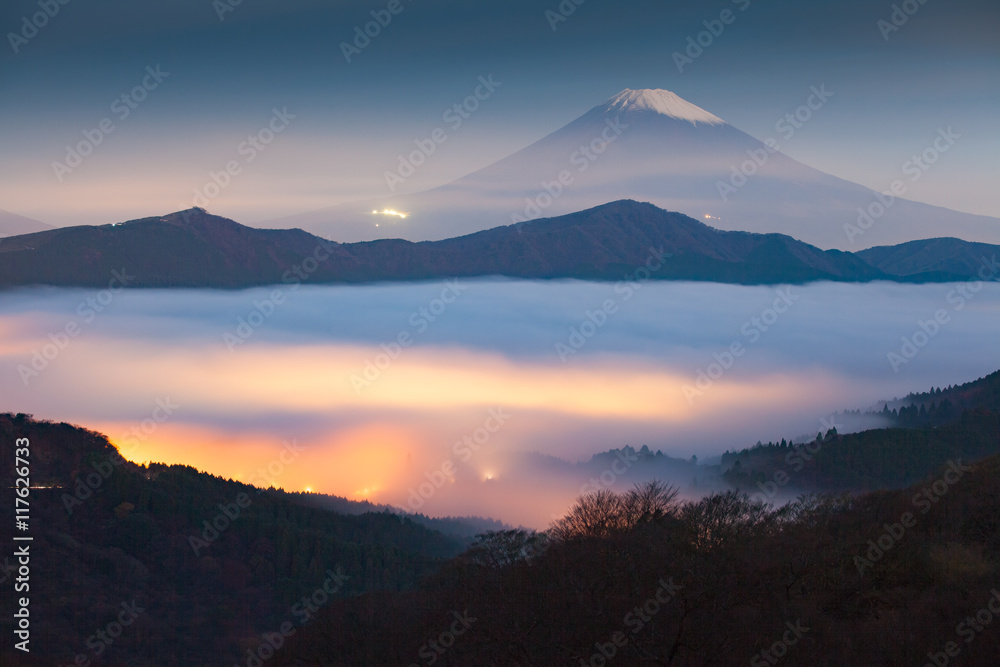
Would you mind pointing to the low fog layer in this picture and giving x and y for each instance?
(448, 385)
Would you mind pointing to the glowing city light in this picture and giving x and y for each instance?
(389, 211)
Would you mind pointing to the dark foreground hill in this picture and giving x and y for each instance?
(890, 578)
(623, 239)
(213, 565)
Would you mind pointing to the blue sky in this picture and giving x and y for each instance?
(351, 120)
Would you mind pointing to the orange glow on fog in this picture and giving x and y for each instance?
(17, 339)
(359, 463)
(398, 432)
(318, 379)
(365, 461)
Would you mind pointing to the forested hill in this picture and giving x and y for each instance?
(926, 430)
(107, 532)
(640, 578)
(983, 394)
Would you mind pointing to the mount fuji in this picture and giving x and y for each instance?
(653, 146)
(12, 224)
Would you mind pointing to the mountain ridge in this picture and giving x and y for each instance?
(194, 248)
(945, 256)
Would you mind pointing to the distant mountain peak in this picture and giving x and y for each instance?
(12, 224)
(662, 102)
(191, 216)
(186, 214)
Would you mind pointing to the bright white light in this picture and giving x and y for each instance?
(389, 211)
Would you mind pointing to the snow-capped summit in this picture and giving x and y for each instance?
(662, 102)
(651, 146)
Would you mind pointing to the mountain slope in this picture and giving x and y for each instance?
(186, 249)
(946, 258)
(194, 248)
(607, 240)
(106, 531)
(610, 242)
(651, 145)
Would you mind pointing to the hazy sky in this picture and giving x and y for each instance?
(223, 77)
